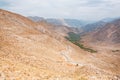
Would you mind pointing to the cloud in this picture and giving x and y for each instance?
(79, 9)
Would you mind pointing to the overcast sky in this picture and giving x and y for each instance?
(77, 9)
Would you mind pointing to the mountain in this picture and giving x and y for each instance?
(105, 40)
(98, 24)
(64, 22)
(33, 51)
(107, 33)
(93, 26)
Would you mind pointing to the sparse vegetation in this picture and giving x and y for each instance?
(85, 48)
(74, 38)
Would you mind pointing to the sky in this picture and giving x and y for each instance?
(73, 9)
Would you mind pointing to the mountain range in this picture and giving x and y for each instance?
(63, 22)
(83, 26)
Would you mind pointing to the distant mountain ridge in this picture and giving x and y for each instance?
(82, 26)
(64, 22)
(93, 26)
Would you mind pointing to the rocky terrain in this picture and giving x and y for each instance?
(33, 51)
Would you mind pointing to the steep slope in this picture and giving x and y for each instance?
(27, 52)
(30, 51)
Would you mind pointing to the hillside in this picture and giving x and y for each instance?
(96, 25)
(105, 40)
(32, 51)
(109, 33)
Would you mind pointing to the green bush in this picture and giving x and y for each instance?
(73, 37)
(86, 49)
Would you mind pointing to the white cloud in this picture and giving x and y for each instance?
(80, 9)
